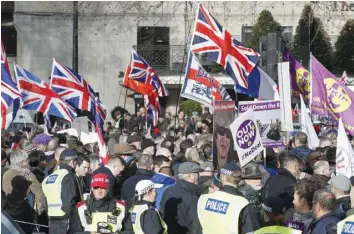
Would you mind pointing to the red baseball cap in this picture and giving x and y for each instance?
(100, 180)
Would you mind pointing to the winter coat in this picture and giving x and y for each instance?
(166, 181)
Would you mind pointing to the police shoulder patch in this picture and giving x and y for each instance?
(111, 219)
(216, 206)
(348, 227)
(51, 179)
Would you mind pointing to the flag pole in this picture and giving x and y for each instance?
(125, 98)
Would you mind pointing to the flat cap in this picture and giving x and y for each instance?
(189, 167)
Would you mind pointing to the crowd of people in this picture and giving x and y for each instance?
(165, 181)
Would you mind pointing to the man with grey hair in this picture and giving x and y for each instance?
(340, 186)
(322, 171)
(179, 202)
(323, 204)
(145, 172)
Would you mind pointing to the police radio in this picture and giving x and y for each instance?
(102, 227)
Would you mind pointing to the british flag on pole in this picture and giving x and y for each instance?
(9, 91)
(73, 89)
(37, 95)
(141, 71)
(101, 145)
(216, 42)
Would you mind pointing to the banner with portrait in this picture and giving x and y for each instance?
(223, 145)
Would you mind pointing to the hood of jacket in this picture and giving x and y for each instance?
(162, 179)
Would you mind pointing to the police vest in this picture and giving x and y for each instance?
(118, 122)
(276, 230)
(113, 219)
(219, 212)
(136, 213)
(51, 187)
(346, 226)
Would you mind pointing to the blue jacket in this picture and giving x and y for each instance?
(301, 151)
(166, 181)
(321, 225)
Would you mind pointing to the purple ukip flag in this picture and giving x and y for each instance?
(300, 77)
(330, 96)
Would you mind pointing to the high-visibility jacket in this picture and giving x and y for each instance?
(136, 213)
(113, 219)
(116, 125)
(346, 226)
(276, 230)
(51, 187)
(219, 212)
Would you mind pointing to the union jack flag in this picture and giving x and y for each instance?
(73, 89)
(9, 91)
(344, 79)
(142, 72)
(37, 95)
(151, 110)
(101, 145)
(212, 39)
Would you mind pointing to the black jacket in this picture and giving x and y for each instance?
(38, 173)
(70, 195)
(280, 185)
(179, 208)
(105, 205)
(128, 188)
(248, 219)
(343, 204)
(112, 180)
(323, 224)
(150, 220)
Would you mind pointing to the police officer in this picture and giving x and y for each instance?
(99, 213)
(274, 208)
(144, 216)
(218, 211)
(253, 185)
(62, 192)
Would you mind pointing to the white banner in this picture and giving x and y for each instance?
(285, 98)
(344, 154)
(307, 126)
(246, 136)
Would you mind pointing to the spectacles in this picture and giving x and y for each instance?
(222, 131)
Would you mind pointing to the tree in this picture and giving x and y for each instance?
(190, 106)
(344, 55)
(265, 24)
(310, 36)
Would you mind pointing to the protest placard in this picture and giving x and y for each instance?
(267, 116)
(246, 137)
(223, 145)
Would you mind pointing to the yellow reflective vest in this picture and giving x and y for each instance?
(346, 226)
(51, 186)
(113, 222)
(276, 230)
(136, 213)
(219, 212)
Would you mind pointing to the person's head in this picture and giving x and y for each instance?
(161, 161)
(180, 114)
(207, 151)
(293, 164)
(300, 139)
(322, 168)
(325, 142)
(206, 110)
(189, 171)
(168, 145)
(148, 147)
(303, 194)
(224, 146)
(19, 158)
(116, 165)
(135, 140)
(340, 185)
(58, 151)
(35, 158)
(69, 157)
(192, 154)
(323, 203)
(185, 144)
(274, 209)
(53, 144)
(41, 141)
(314, 157)
(331, 157)
(94, 162)
(99, 186)
(146, 190)
(230, 174)
(142, 110)
(82, 164)
(253, 176)
(145, 162)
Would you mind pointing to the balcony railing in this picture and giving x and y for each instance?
(166, 60)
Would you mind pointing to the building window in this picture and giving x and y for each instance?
(153, 45)
(8, 30)
(247, 32)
